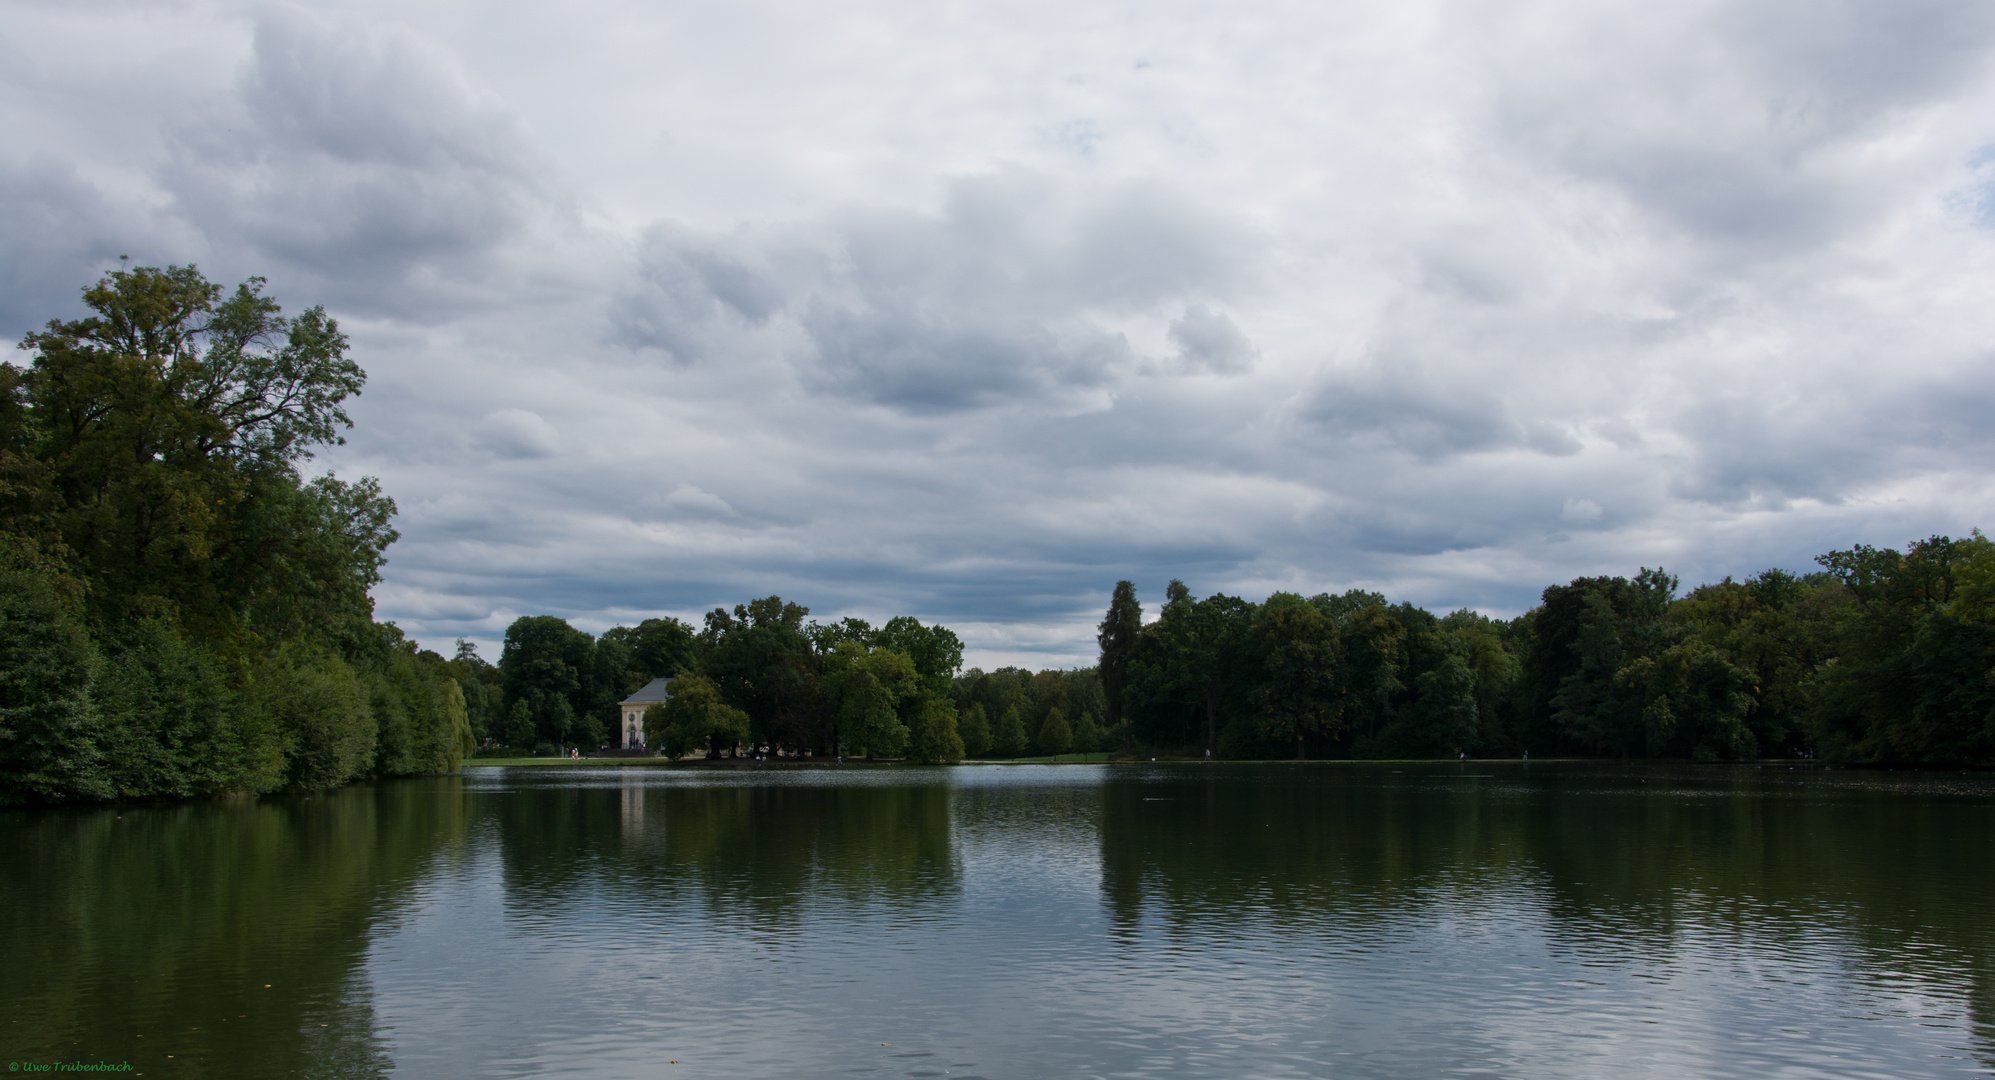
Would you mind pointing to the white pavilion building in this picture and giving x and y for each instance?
(655, 692)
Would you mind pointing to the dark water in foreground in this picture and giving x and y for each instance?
(1023, 921)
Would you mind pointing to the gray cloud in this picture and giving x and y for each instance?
(1001, 296)
(352, 154)
(686, 283)
(517, 433)
(1429, 417)
(662, 315)
(909, 359)
(1742, 126)
(1859, 59)
(61, 232)
(1208, 341)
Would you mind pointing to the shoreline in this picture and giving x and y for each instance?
(1105, 759)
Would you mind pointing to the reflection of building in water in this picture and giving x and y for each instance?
(655, 692)
(633, 810)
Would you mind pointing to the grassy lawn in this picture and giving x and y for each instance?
(1061, 759)
(475, 763)
(498, 762)
(1057, 759)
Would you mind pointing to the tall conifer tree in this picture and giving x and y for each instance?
(1119, 633)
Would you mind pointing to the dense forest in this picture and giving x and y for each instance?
(1881, 657)
(757, 676)
(182, 613)
(761, 675)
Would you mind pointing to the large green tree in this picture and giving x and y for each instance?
(50, 732)
(169, 425)
(764, 665)
(550, 669)
(1119, 636)
(1300, 692)
(696, 718)
(1585, 634)
(214, 604)
(1187, 662)
(936, 652)
(975, 730)
(1917, 642)
(1011, 737)
(871, 692)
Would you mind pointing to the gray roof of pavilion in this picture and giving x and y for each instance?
(654, 691)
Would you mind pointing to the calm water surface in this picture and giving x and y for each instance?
(1539, 920)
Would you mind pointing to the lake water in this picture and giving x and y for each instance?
(1347, 920)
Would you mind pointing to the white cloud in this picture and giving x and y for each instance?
(690, 499)
(1208, 341)
(1580, 511)
(517, 433)
(970, 314)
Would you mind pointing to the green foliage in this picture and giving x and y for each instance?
(224, 642)
(1087, 735)
(546, 662)
(316, 707)
(481, 686)
(171, 725)
(871, 692)
(764, 665)
(170, 423)
(1012, 740)
(1582, 636)
(51, 736)
(1777, 628)
(1485, 646)
(419, 714)
(933, 737)
(1119, 635)
(1692, 696)
(1300, 692)
(1055, 737)
(1180, 676)
(1442, 719)
(308, 556)
(1375, 645)
(975, 727)
(182, 613)
(519, 725)
(657, 649)
(934, 650)
(1911, 682)
(1032, 695)
(1885, 658)
(463, 741)
(696, 718)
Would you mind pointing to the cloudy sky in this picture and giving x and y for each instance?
(968, 310)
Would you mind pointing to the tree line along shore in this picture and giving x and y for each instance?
(184, 614)
(1880, 657)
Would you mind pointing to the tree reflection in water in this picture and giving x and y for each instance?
(1368, 919)
(757, 850)
(1890, 872)
(229, 935)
